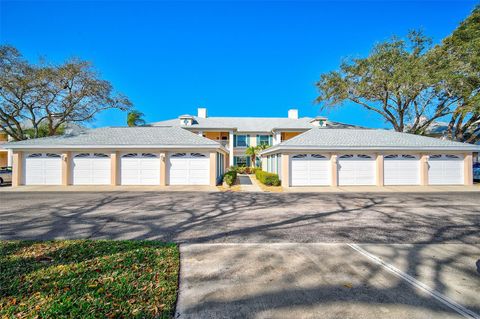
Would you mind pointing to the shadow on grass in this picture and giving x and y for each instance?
(54, 279)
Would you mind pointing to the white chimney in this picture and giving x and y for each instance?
(293, 114)
(202, 112)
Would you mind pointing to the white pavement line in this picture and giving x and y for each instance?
(414, 282)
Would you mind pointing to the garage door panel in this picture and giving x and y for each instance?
(401, 169)
(310, 170)
(91, 169)
(42, 169)
(189, 169)
(445, 170)
(140, 169)
(356, 170)
(198, 164)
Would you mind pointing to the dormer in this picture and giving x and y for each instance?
(319, 121)
(186, 120)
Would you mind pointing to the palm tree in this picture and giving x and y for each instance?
(134, 118)
(252, 152)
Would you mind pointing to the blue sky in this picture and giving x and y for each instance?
(234, 58)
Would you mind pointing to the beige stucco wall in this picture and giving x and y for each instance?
(114, 168)
(163, 168)
(379, 170)
(66, 168)
(213, 168)
(285, 170)
(253, 140)
(423, 169)
(468, 169)
(17, 168)
(334, 162)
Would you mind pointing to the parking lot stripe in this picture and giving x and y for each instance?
(417, 284)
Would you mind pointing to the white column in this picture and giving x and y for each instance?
(230, 147)
(277, 138)
(10, 157)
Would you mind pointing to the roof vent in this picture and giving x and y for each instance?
(319, 121)
(202, 112)
(293, 114)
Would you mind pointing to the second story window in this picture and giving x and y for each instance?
(241, 140)
(263, 140)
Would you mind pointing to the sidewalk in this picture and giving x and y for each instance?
(300, 280)
(247, 185)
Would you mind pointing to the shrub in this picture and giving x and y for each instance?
(230, 177)
(266, 178)
(253, 170)
(244, 169)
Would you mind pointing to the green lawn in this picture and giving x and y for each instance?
(88, 279)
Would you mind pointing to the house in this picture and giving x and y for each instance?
(238, 133)
(196, 150)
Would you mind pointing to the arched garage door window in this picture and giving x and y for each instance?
(140, 169)
(356, 169)
(91, 169)
(401, 169)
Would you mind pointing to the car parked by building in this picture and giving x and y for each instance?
(476, 172)
(5, 175)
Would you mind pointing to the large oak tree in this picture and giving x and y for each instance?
(38, 100)
(411, 84)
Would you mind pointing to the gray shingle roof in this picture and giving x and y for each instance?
(250, 124)
(122, 136)
(320, 138)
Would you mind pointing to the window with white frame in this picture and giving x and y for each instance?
(240, 161)
(263, 140)
(241, 141)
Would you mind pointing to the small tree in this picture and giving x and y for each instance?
(135, 118)
(251, 151)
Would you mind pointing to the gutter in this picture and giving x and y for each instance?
(116, 146)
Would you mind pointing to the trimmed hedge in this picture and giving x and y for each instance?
(267, 178)
(230, 177)
(244, 169)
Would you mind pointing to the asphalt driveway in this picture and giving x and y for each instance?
(189, 217)
(290, 255)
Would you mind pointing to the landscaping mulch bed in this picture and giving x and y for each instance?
(88, 279)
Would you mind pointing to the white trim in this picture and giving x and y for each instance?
(118, 146)
(466, 148)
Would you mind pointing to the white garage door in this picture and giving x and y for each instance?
(356, 169)
(445, 170)
(42, 169)
(310, 170)
(401, 169)
(189, 169)
(140, 169)
(91, 169)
